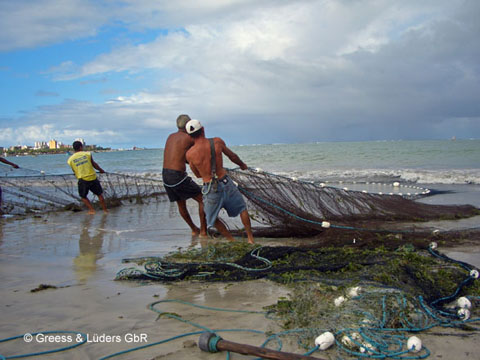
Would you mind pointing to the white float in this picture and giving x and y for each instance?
(325, 340)
(414, 344)
(339, 301)
(354, 291)
(325, 224)
(464, 314)
(464, 303)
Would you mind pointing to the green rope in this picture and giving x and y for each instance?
(83, 341)
(157, 270)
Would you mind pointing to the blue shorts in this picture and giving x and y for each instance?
(227, 197)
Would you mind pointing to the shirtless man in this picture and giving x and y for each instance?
(218, 189)
(178, 184)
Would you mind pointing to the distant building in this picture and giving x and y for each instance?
(40, 145)
(52, 144)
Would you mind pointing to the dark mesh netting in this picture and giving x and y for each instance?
(370, 298)
(410, 264)
(41, 193)
(292, 207)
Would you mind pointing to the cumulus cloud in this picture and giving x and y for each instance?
(28, 23)
(295, 70)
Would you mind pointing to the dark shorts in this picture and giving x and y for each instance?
(227, 197)
(85, 186)
(179, 185)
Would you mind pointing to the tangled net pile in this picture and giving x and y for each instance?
(291, 207)
(41, 193)
(369, 298)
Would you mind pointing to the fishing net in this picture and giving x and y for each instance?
(292, 207)
(41, 193)
(370, 298)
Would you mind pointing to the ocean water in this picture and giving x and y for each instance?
(451, 167)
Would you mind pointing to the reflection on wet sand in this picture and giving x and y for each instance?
(90, 249)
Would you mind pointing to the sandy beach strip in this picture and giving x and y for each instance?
(80, 255)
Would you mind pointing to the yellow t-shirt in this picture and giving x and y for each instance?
(81, 164)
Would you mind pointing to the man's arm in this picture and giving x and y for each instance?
(5, 161)
(96, 166)
(232, 156)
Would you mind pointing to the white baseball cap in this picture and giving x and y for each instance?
(193, 126)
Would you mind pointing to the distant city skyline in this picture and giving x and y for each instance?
(50, 144)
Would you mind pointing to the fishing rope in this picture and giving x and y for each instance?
(375, 338)
(80, 339)
(178, 183)
(155, 269)
(212, 345)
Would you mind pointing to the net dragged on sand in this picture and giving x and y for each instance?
(43, 193)
(283, 207)
(291, 207)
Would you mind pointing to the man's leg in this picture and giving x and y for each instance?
(87, 203)
(182, 208)
(201, 214)
(220, 226)
(102, 202)
(248, 226)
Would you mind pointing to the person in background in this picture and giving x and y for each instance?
(83, 167)
(179, 186)
(15, 166)
(206, 161)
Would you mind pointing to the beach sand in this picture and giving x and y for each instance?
(80, 254)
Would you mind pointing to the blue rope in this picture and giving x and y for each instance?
(84, 340)
(155, 270)
(204, 328)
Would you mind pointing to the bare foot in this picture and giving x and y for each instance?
(195, 231)
(91, 212)
(105, 211)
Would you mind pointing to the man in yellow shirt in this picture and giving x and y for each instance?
(84, 167)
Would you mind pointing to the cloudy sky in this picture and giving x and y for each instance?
(118, 73)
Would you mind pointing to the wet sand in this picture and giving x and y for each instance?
(80, 255)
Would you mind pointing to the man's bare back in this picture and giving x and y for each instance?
(223, 194)
(175, 149)
(199, 158)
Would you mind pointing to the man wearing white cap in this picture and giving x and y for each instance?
(206, 161)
